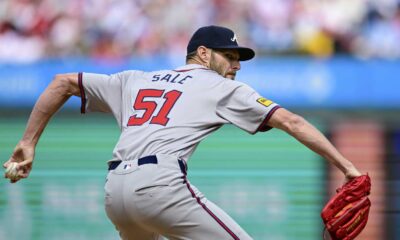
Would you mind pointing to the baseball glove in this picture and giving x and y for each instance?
(346, 213)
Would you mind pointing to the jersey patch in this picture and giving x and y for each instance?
(264, 101)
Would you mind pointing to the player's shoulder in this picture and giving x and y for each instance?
(214, 80)
(132, 75)
(232, 84)
(129, 73)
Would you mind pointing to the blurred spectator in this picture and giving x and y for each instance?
(379, 34)
(270, 26)
(118, 29)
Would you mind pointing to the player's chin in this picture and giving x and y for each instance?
(231, 76)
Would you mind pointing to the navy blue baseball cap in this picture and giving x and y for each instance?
(216, 37)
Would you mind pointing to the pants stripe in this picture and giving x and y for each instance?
(210, 212)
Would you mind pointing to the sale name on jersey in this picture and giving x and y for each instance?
(264, 101)
(171, 78)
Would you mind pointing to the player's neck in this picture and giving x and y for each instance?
(196, 61)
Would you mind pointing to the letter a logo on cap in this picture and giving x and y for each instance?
(234, 39)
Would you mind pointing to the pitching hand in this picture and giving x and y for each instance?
(23, 155)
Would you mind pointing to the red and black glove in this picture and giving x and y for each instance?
(346, 213)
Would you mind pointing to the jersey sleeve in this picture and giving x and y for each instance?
(245, 108)
(101, 93)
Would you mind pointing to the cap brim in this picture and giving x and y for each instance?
(244, 53)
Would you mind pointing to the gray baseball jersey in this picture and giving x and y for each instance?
(171, 111)
(163, 115)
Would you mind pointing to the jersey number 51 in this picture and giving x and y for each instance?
(150, 106)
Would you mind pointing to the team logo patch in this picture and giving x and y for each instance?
(265, 102)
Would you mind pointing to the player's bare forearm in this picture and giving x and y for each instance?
(311, 137)
(56, 94)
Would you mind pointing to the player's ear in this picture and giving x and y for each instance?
(204, 54)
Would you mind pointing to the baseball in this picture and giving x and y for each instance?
(11, 171)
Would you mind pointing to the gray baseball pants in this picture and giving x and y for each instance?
(151, 197)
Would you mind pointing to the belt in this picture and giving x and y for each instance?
(152, 159)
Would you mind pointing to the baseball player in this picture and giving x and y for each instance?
(163, 116)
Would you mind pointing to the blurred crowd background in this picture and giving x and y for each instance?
(335, 62)
(118, 29)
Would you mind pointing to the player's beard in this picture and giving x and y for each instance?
(220, 68)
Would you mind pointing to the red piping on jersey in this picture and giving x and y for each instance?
(223, 225)
(186, 70)
(82, 90)
(263, 126)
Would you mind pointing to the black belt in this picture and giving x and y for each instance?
(152, 159)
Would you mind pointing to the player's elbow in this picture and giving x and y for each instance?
(293, 123)
(66, 84)
(287, 121)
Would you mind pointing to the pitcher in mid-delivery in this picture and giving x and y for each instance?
(163, 116)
